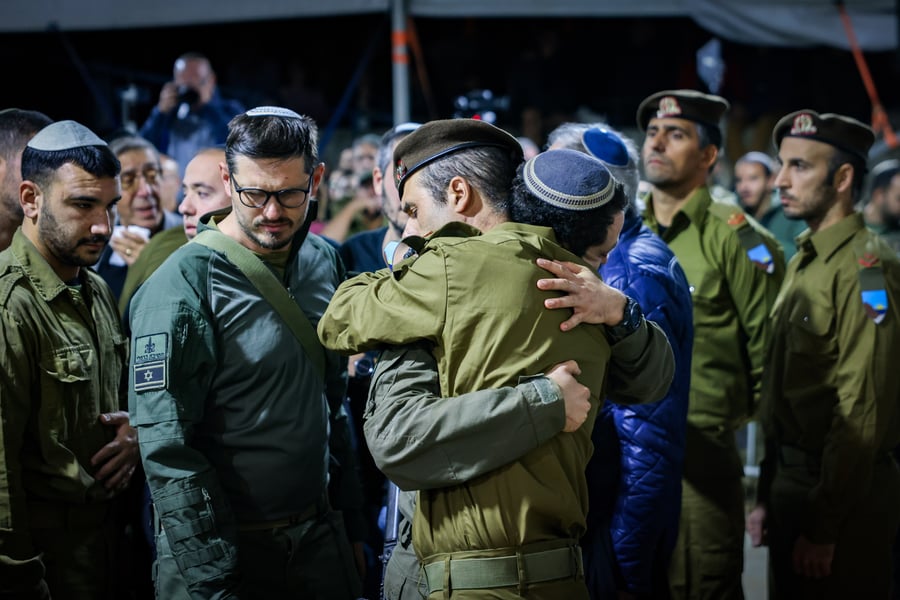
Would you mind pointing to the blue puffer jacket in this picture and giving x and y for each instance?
(635, 472)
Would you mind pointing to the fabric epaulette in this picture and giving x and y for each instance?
(750, 238)
(871, 280)
(8, 280)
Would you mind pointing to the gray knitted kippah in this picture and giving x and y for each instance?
(64, 135)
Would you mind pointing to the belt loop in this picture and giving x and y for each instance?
(579, 562)
(447, 590)
(422, 583)
(157, 523)
(520, 570)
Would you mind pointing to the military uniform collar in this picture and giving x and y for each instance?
(212, 219)
(694, 210)
(460, 229)
(43, 278)
(827, 241)
(451, 229)
(520, 229)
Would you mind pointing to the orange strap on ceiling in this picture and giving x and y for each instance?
(880, 122)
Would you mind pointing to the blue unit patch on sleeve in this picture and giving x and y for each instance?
(762, 258)
(151, 361)
(875, 303)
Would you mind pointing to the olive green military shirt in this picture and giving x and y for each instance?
(831, 386)
(476, 300)
(62, 364)
(733, 286)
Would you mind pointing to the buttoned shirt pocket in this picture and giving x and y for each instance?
(812, 329)
(66, 375)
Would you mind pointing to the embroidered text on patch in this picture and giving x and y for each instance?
(151, 361)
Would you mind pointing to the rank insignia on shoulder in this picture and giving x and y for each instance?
(151, 362)
(867, 260)
(736, 219)
(761, 257)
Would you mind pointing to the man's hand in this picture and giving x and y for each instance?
(576, 396)
(118, 459)
(168, 97)
(812, 560)
(128, 245)
(756, 526)
(591, 300)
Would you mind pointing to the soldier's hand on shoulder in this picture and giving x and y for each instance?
(591, 300)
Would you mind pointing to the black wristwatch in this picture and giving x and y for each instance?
(631, 320)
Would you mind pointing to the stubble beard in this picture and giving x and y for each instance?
(53, 237)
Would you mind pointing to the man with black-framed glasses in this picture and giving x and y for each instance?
(239, 414)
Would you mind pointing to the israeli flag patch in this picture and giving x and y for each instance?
(151, 362)
(762, 258)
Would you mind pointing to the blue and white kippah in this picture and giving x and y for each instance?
(64, 135)
(569, 179)
(272, 111)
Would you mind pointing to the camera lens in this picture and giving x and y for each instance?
(187, 95)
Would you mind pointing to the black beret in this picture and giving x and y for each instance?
(439, 138)
(839, 131)
(692, 105)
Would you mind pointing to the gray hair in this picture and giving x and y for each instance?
(488, 169)
(569, 135)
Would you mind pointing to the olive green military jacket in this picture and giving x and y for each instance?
(734, 268)
(831, 386)
(154, 254)
(62, 364)
(476, 300)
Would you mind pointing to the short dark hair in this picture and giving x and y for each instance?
(40, 166)
(272, 137)
(17, 126)
(708, 135)
(576, 230)
(840, 157)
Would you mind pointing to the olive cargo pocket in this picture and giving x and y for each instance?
(65, 381)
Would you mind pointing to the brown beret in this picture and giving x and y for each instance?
(692, 105)
(439, 138)
(839, 131)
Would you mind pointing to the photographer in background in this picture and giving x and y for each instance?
(190, 114)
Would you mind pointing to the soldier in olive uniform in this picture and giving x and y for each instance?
(734, 268)
(513, 531)
(67, 450)
(829, 489)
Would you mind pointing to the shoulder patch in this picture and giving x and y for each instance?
(750, 238)
(872, 286)
(151, 362)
